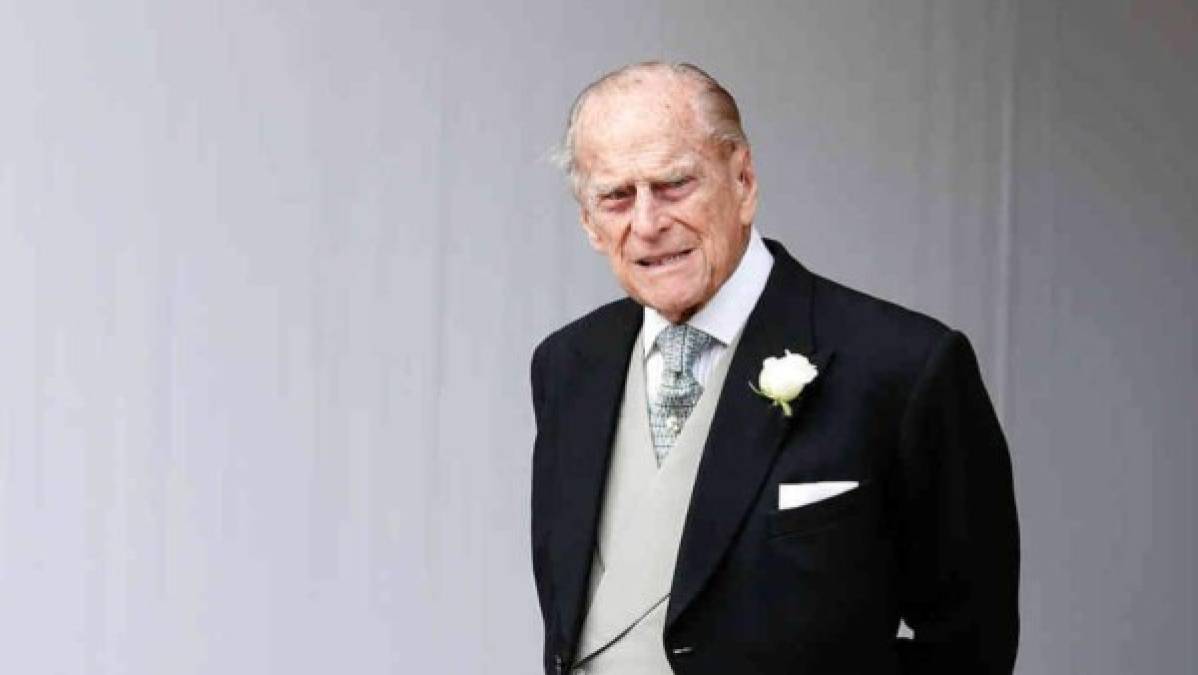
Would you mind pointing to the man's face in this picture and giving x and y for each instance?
(669, 207)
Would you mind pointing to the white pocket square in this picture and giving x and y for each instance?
(794, 495)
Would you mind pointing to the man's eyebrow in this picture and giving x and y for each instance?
(675, 175)
(608, 187)
(684, 169)
(602, 189)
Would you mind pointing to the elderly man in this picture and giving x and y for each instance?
(745, 467)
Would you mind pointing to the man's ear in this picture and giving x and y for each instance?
(593, 237)
(746, 183)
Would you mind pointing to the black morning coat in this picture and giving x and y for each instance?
(929, 536)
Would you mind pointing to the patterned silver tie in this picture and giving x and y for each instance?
(679, 391)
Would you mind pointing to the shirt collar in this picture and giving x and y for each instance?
(728, 310)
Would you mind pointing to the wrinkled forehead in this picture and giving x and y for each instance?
(646, 107)
(637, 130)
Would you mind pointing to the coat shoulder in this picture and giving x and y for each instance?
(589, 328)
(895, 338)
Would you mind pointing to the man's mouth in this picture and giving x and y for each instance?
(664, 259)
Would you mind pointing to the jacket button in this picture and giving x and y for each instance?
(682, 651)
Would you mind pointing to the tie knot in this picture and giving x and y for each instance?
(681, 345)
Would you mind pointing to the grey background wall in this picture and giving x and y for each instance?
(270, 274)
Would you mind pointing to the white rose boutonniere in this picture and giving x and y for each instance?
(782, 379)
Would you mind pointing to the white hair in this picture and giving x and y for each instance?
(714, 107)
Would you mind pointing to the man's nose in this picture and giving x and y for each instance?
(647, 220)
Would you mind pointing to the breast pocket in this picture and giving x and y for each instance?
(822, 514)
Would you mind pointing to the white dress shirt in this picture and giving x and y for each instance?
(722, 317)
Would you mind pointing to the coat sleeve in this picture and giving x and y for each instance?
(959, 550)
(540, 509)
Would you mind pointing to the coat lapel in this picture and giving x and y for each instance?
(746, 431)
(591, 404)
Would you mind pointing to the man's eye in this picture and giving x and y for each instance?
(615, 196)
(675, 186)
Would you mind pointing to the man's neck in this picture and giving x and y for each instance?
(726, 312)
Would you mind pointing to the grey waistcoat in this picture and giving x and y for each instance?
(640, 527)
